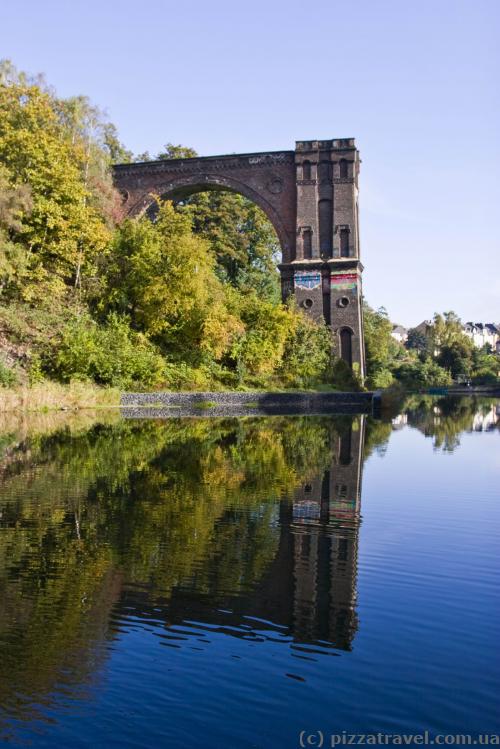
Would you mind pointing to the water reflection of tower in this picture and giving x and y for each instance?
(324, 525)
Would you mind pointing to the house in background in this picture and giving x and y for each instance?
(482, 334)
(399, 333)
(425, 327)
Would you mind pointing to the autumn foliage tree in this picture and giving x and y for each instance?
(63, 233)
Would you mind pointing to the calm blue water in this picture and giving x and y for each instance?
(208, 583)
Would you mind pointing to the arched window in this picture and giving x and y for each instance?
(346, 345)
(344, 173)
(325, 213)
(306, 170)
(307, 244)
(344, 242)
(325, 172)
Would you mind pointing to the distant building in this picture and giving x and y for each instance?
(425, 327)
(399, 333)
(483, 333)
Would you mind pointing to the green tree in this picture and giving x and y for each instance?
(63, 233)
(241, 236)
(163, 277)
(380, 347)
(456, 357)
(15, 204)
(447, 329)
(415, 374)
(109, 354)
(417, 341)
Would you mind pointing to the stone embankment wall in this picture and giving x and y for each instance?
(166, 404)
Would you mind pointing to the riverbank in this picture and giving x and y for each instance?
(52, 396)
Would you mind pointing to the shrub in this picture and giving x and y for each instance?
(418, 374)
(343, 376)
(306, 357)
(383, 378)
(110, 354)
(485, 377)
(7, 376)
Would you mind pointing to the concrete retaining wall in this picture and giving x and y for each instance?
(166, 404)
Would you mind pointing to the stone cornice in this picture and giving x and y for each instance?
(201, 164)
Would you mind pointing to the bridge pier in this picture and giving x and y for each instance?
(325, 273)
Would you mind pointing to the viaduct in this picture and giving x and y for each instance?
(310, 196)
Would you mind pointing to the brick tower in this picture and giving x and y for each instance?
(325, 274)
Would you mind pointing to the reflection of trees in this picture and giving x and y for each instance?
(377, 436)
(81, 512)
(444, 419)
(180, 505)
(198, 509)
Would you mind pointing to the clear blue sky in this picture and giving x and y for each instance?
(416, 83)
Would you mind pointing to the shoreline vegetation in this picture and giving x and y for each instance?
(47, 397)
(88, 398)
(185, 298)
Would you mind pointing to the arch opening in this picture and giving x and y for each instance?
(243, 235)
(182, 189)
(345, 336)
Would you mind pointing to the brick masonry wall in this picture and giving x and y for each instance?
(268, 179)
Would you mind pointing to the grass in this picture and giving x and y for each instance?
(204, 405)
(52, 396)
(19, 425)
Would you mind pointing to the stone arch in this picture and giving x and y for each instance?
(184, 186)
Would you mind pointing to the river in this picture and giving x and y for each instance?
(252, 582)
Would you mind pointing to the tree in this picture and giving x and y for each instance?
(446, 329)
(176, 152)
(417, 341)
(241, 236)
(15, 203)
(380, 347)
(63, 233)
(456, 357)
(416, 374)
(99, 145)
(163, 277)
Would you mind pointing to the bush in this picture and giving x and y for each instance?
(383, 378)
(306, 357)
(110, 354)
(418, 374)
(485, 377)
(343, 376)
(7, 376)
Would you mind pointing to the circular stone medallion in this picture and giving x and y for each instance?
(275, 185)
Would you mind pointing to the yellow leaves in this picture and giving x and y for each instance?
(64, 232)
(220, 330)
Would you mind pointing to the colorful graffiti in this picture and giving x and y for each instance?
(344, 281)
(307, 279)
